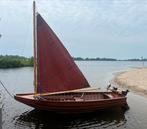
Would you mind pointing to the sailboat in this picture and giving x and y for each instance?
(59, 85)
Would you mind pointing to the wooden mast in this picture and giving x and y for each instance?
(35, 47)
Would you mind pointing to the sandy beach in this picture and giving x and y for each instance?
(134, 79)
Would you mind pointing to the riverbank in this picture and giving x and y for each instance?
(134, 79)
(11, 61)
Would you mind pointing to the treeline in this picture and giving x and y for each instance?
(9, 61)
(94, 59)
(105, 59)
(136, 59)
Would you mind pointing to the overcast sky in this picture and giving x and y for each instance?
(87, 28)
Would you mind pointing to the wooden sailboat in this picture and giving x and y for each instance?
(59, 84)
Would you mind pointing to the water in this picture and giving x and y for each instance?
(19, 116)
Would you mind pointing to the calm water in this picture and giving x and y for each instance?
(19, 116)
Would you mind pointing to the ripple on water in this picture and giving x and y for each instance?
(42, 119)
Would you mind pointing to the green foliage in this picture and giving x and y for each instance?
(94, 59)
(11, 61)
(15, 61)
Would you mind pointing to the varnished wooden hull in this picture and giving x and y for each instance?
(58, 106)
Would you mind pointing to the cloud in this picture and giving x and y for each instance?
(83, 24)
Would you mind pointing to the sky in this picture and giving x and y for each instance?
(87, 28)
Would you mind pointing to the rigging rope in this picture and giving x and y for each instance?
(6, 89)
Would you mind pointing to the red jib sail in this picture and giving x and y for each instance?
(56, 69)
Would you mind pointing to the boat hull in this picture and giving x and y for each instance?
(72, 106)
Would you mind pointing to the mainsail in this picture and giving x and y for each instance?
(56, 69)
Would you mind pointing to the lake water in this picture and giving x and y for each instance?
(19, 116)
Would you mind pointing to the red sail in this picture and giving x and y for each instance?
(56, 69)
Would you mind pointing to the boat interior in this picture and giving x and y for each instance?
(79, 96)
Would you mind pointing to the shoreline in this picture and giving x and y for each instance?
(133, 79)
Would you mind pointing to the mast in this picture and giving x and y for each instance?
(35, 47)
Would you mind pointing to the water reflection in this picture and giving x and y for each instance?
(41, 119)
